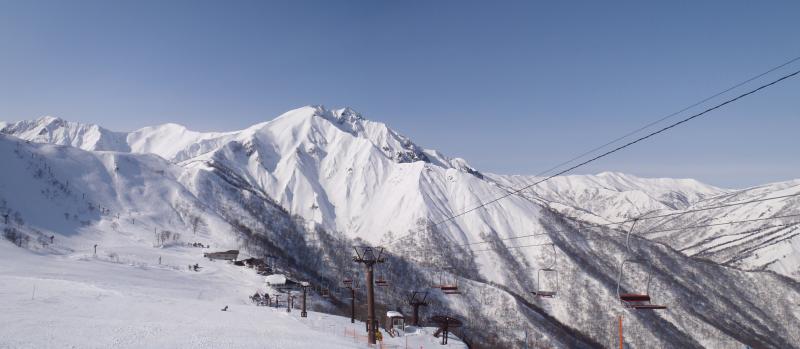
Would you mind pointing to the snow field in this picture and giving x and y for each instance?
(82, 301)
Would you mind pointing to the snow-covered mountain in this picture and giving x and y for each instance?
(54, 130)
(613, 196)
(350, 178)
(327, 165)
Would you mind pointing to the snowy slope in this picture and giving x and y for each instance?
(85, 301)
(88, 302)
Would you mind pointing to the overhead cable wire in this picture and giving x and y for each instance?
(641, 218)
(604, 237)
(612, 151)
(740, 84)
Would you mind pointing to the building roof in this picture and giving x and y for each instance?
(392, 313)
(276, 279)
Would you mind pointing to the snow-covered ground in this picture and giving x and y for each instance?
(77, 300)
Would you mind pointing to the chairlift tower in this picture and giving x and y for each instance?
(417, 299)
(369, 256)
(304, 285)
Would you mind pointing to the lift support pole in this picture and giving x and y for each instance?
(305, 285)
(352, 285)
(368, 256)
(621, 339)
(352, 305)
(415, 302)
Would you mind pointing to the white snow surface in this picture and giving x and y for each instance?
(275, 279)
(78, 300)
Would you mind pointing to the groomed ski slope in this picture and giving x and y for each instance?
(78, 300)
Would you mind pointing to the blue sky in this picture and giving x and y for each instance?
(513, 87)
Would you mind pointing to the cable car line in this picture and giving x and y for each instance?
(627, 221)
(670, 116)
(612, 151)
(638, 237)
(606, 237)
(725, 223)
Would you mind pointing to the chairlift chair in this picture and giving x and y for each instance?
(325, 292)
(636, 300)
(552, 289)
(448, 284)
(381, 281)
(451, 291)
(547, 279)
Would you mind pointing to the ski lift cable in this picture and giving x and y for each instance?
(605, 237)
(641, 218)
(609, 152)
(726, 223)
(740, 84)
(676, 229)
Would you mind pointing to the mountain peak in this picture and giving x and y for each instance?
(50, 119)
(346, 115)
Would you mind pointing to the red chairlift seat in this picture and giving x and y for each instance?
(639, 302)
(381, 281)
(634, 297)
(450, 289)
